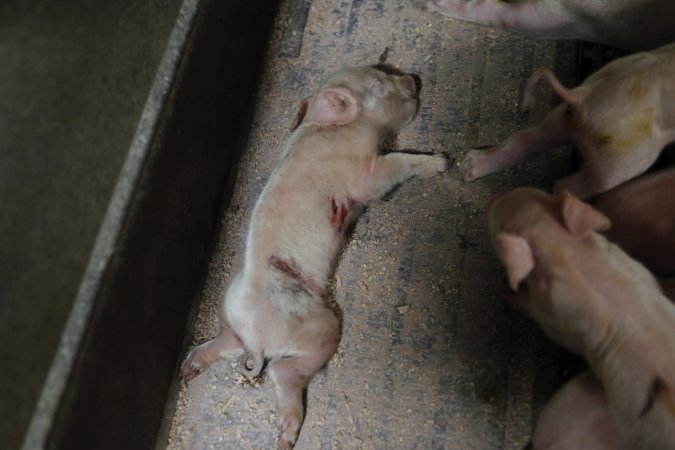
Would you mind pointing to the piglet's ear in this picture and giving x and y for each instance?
(517, 257)
(581, 218)
(333, 106)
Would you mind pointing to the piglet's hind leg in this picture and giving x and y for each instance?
(291, 376)
(518, 147)
(202, 356)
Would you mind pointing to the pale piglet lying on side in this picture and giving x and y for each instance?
(592, 298)
(628, 24)
(620, 118)
(276, 312)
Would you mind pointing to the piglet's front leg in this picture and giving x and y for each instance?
(394, 168)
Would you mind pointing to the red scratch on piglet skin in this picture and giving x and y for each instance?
(307, 283)
(339, 213)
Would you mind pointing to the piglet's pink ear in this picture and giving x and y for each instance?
(333, 106)
(581, 218)
(517, 257)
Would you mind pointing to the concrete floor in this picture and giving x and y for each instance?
(432, 356)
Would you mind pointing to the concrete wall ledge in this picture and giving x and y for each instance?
(117, 358)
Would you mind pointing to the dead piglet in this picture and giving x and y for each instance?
(276, 313)
(620, 119)
(628, 24)
(592, 298)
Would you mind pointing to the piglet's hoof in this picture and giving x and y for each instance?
(283, 443)
(192, 366)
(442, 163)
(468, 167)
(288, 434)
(434, 164)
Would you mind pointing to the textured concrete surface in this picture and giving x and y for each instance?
(432, 356)
(75, 77)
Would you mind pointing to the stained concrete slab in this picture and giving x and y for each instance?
(432, 356)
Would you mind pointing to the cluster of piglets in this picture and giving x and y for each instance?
(605, 296)
(586, 293)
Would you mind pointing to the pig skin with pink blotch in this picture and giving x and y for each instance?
(276, 314)
(592, 298)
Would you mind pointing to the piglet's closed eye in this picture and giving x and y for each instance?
(517, 257)
(581, 218)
